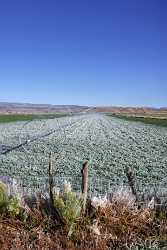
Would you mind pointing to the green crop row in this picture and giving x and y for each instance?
(5, 118)
(146, 120)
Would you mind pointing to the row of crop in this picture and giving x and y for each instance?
(109, 144)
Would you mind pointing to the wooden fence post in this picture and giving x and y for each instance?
(84, 173)
(132, 181)
(50, 180)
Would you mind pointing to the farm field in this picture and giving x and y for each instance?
(110, 144)
(5, 118)
(158, 120)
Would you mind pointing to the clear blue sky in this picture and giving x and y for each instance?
(89, 52)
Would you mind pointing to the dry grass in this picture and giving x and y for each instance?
(117, 223)
(116, 226)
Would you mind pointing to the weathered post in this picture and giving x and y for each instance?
(132, 181)
(50, 180)
(84, 173)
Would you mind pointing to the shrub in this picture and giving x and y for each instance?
(14, 206)
(8, 204)
(3, 197)
(68, 205)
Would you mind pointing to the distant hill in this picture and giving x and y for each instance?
(130, 109)
(135, 111)
(28, 108)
